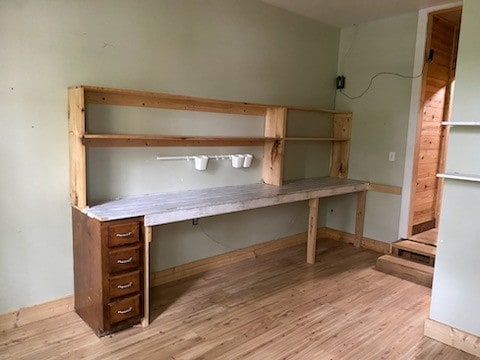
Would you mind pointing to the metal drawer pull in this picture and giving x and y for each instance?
(125, 286)
(130, 233)
(126, 261)
(125, 311)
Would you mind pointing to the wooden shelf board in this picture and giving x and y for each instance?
(314, 139)
(111, 140)
(460, 123)
(113, 96)
(460, 176)
(327, 111)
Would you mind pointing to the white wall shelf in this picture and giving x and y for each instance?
(460, 176)
(460, 123)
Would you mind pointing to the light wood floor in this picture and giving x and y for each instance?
(274, 307)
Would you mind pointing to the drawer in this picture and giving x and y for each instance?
(123, 234)
(124, 259)
(124, 309)
(125, 284)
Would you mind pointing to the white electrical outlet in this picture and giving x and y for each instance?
(391, 156)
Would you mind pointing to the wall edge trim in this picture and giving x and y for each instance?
(30, 314)
(56, 307)
(348, 238)
(453, 337)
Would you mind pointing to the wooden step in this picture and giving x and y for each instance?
(412, 250)
(427, 237)
(415, 247)
(406, 269)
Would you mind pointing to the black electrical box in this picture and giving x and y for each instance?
(340, 82)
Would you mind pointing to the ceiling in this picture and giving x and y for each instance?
(342, 13)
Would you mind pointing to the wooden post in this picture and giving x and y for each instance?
(275, 126)
(312, 230)
(360, 218)
(76, 130)
(342, 129)
(146, 276)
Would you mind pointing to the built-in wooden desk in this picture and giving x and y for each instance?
(111, 240)
(136, 215)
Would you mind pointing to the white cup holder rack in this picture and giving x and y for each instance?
(201, 161)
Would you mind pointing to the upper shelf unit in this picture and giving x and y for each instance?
(273, 139)
(112, 96)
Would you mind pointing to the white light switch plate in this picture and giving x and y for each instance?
(391, 156)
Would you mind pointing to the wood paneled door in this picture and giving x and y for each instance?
(437, 88)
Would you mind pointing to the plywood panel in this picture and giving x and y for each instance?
(428, 142)
(428, 156)
(432, 114)
(426, 184)
(425, 197)
(423, 216)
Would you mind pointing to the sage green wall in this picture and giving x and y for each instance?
(456, 291)
(231, 49)
(380, 118)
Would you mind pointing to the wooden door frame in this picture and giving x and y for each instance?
(446, 130)
(418, 127)
(419, 121)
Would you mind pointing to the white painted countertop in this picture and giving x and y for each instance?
(164, 208)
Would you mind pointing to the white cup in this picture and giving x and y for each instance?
(248, 160)
(201, 162)
(237, 160)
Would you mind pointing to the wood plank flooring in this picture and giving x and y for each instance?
(273, 307)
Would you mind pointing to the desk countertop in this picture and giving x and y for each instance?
(170, 207)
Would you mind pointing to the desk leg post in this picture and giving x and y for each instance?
(360, 218)
(312, 230)
(146, 276)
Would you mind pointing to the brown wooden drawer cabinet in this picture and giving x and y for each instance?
(108, 268)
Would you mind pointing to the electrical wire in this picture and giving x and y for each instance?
(291, 223)
(380, 74)
(212, 239)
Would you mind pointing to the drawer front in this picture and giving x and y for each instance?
(123, 234)
(122, 285)
(124, 309)
(123, 259)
